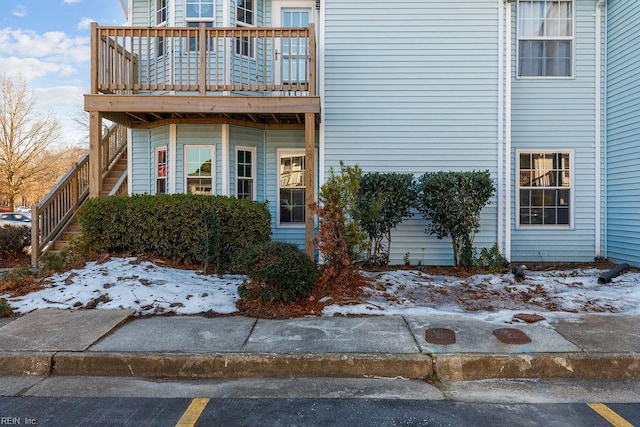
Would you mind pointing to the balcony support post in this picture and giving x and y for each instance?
(309, 182)
(95, 153)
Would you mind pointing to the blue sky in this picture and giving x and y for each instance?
(46, 42)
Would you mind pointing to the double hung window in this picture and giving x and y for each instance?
(245, 17)
(161, 170)
(544, 188)
(291, 194)
(161, 21)
(199, 11)
(245, 173)
(199, 169)
(545, 38)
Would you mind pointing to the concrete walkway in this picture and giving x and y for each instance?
(111, 343)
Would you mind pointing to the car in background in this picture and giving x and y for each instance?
(5, 209)
(23, 209)
(14, 219)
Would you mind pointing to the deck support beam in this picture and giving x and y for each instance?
(309, 182)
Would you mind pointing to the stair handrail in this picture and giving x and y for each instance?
(50, 217)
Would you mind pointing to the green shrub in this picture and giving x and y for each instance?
(5, 309)
(20, 273)
(384, 201)
(340, 234)
(452, 201)
(492, 260)
(14, 239)
(184, 228)
(278, 272)
(57, 261)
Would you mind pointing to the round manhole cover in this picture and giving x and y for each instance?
(440, 336)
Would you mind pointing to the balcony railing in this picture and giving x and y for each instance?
(130, 60)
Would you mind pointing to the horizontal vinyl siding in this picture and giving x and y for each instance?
(559, 114)
(411, 87)
(140, 175)
(141, 13)
(623, 132)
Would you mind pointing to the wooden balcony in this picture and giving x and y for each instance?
(257, 77)
(142, 75)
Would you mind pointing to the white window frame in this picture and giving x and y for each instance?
(156, 167)
(288, 152)
(570, 38)
(571, 189)
(199, 18)
(212, 148)
(254, 186)
(194, 22)
(252, 42)
(161, 42)
(161, 10)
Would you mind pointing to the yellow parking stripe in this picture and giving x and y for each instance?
(605, 412)
(192, 413)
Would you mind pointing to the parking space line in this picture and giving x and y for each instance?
(605, 412)
(193, 412)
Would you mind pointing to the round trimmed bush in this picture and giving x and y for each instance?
(278, 272)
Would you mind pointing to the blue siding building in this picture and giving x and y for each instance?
(622, 53)
(260, 99)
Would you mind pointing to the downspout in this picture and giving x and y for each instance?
(500, 145)
(321, 91)
(507, 141)
(598, 127)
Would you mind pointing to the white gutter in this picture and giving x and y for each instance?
(598, 128)
(507, 141)
(321, 91)
(500, 145)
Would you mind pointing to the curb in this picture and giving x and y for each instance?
(447, 367)
(26, 363)
(463, 367)
(236, 365)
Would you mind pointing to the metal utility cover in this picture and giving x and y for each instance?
(511, 336)
(440, 336)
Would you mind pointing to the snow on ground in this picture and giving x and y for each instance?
(149, 288)
(498, 297)
(144, 287)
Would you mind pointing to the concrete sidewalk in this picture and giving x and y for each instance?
(111, 343)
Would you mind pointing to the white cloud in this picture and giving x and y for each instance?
(59, 96)
(33, 68)
(85, 23)
(20, 11)
(52, 46)
(72, 1)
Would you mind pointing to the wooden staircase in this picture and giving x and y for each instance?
(72, 231)
(53, 222)
(114, 177)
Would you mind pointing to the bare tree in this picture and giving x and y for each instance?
(25, 134)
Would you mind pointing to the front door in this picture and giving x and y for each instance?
(291, 65)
